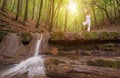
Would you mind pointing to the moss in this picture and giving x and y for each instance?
(90, 35)
(54, 61)
(104, 35)
(108, 47)
(114, 35)
(104, 63)
(109, 35)
(57, 35)
(26, 37)
(2, 34)
(86, 53)
(88, 47)
(118, 64)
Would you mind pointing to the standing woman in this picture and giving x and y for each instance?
(88, 21)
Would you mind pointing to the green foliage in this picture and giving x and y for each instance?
(104, 63)
(98, 10)
(2, 34)
(26, 37)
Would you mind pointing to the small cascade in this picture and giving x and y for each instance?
(33, 66)
(38, 46)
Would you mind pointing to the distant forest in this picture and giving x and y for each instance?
(63, 15)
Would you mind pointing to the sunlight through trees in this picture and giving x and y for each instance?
(63, 15)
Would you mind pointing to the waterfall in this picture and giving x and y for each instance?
(38, 46)
(33, 66)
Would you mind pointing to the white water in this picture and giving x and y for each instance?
(38, 46)
(34, 66)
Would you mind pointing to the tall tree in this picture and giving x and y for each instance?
(41, 3)
(18, 10)
(13, 7)
(105, 10)
(52, 15)
(33, 10)
(3, 5)
(26, 12)
(118, 5)
(66, 18)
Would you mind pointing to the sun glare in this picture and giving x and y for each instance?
(72, 7)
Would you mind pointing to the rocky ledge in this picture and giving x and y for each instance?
(81, 71)
(83, 37)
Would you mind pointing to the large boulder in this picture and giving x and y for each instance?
(12, 50)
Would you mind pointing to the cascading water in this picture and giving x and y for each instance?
(34, 66)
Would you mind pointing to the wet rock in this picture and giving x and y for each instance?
(69, 71)
(26, 37)
(12, 50)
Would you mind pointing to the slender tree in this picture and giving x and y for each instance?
(41, 3)
(3, 5)
(106, 12)
(26, 12)
(33, 10)
(18, 10)
(66, 18)
(13, 7)
(52, 15)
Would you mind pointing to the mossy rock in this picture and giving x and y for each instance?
(88, 47)
(115, 35)
(26, 37)
(57, 35)
(118, 64)
(90, 35)
(54, 61)
(109, 35)
(2, 34)
(108, 47)
(86, 53)
(104, 63)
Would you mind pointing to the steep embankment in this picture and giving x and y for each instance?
(8, 23)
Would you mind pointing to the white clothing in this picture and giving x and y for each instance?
(87, 22)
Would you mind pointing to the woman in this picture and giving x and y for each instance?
(87, 22)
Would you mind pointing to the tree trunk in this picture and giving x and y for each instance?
(66, 18)
(118, 5)
(52, 16)
(3, 5)
(94, 15)
(26, 12)
(18, 9)
(13, 7)
(40, 10)
(33, 11)
(114, 2)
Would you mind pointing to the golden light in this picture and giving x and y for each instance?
(72, 7)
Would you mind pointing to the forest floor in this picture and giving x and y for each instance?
(112, 28)
(8, 23)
